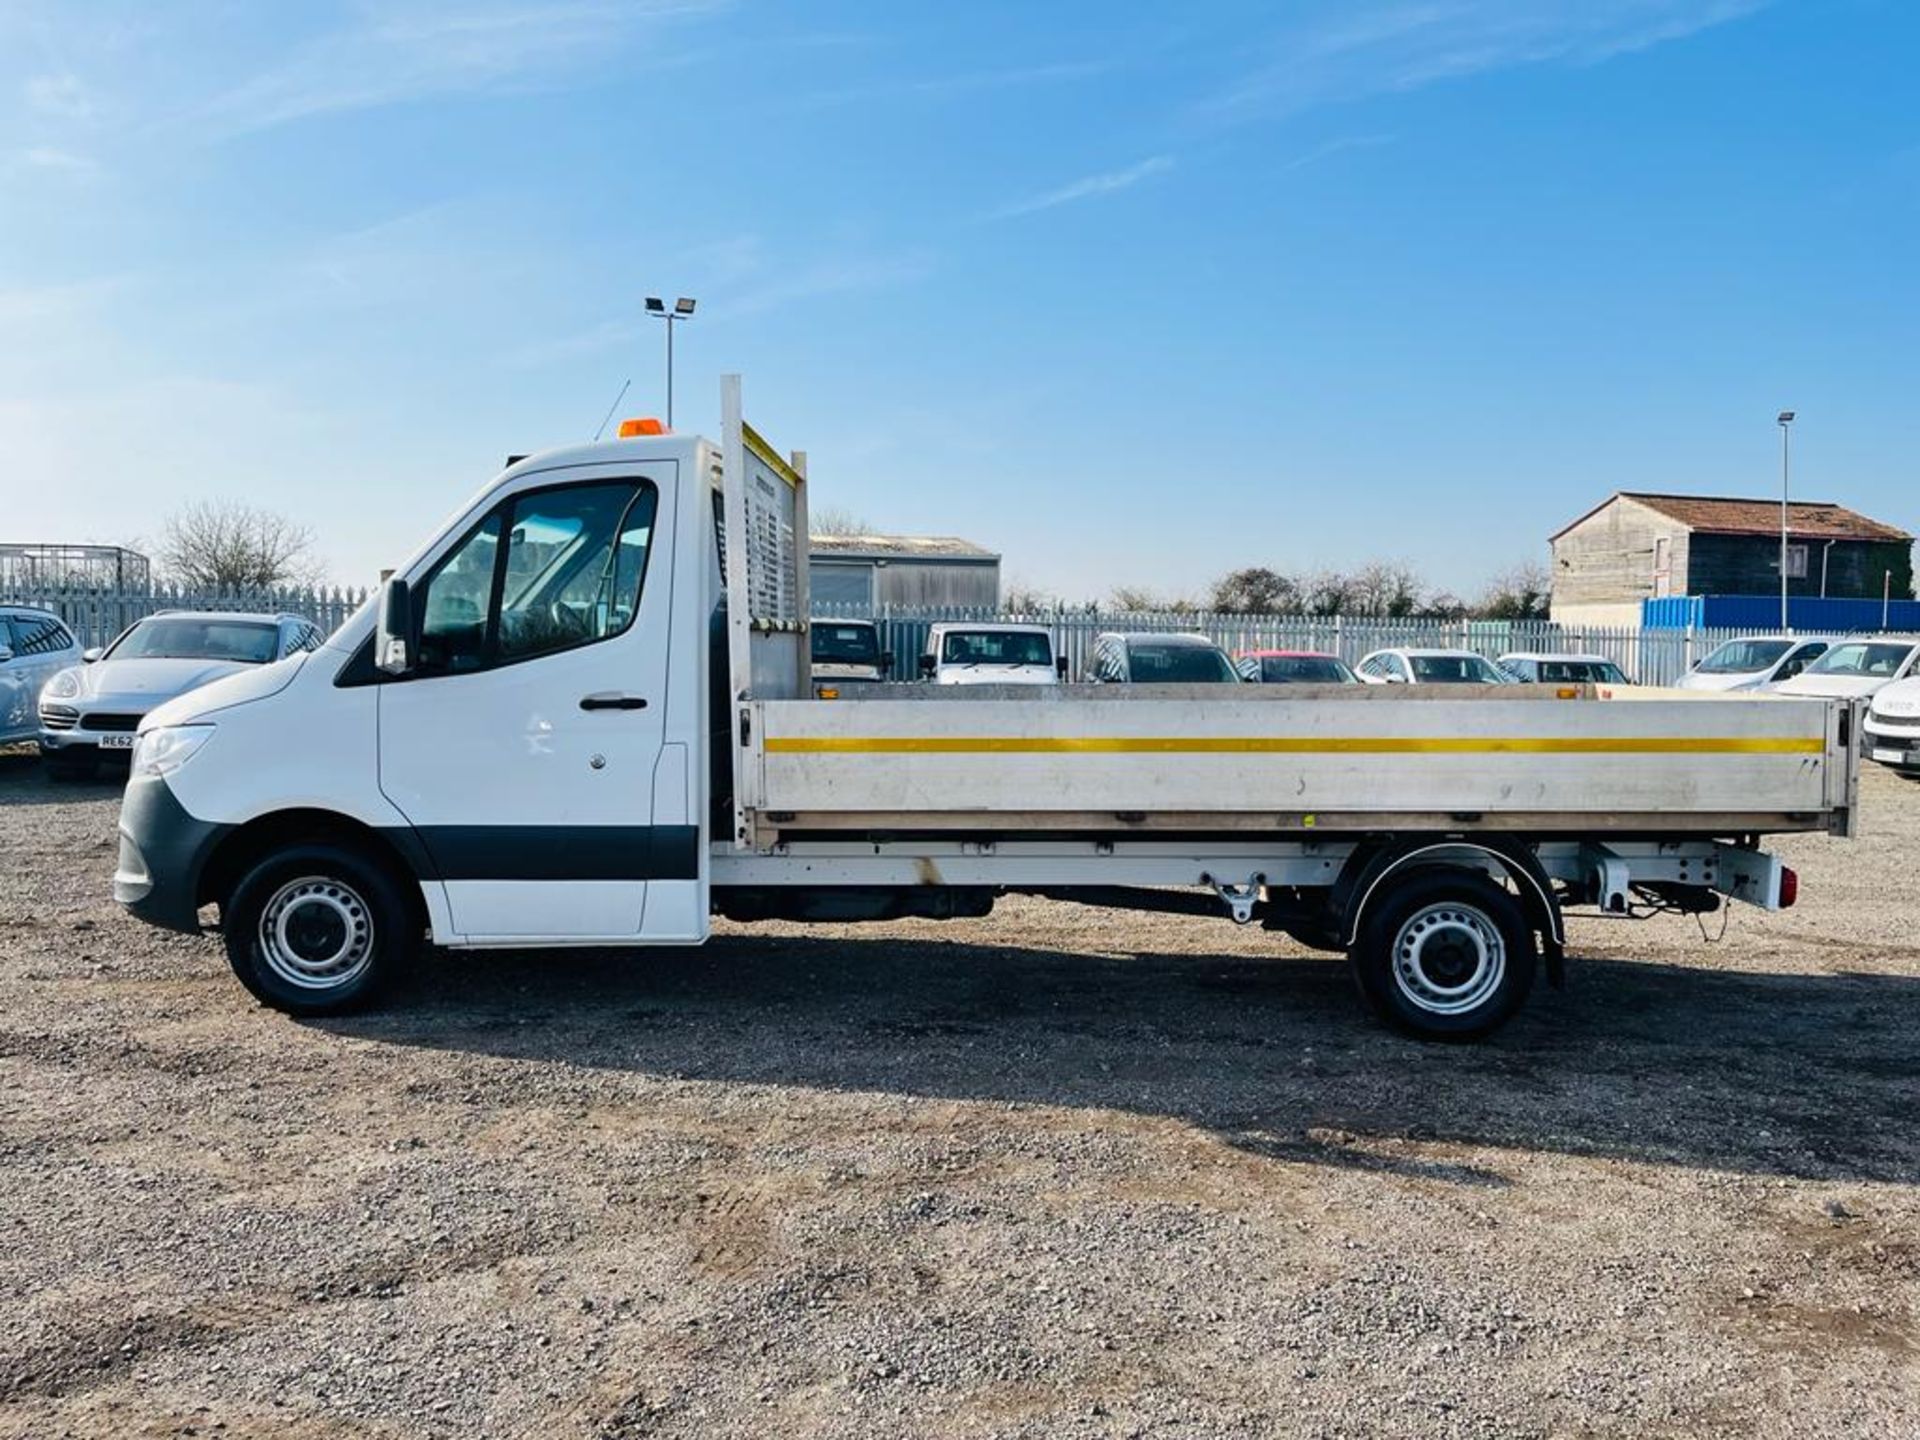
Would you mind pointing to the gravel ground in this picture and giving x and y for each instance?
(1063, 1172)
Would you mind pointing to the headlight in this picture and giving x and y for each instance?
(64, 686)
(162, 751)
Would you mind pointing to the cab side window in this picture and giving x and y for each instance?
(548, 571)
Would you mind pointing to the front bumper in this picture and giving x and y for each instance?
(163, 855)
(1892, 742)
(66, 728)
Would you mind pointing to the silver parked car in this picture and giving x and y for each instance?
(1153, 657)
(92, 710)
(34, 647)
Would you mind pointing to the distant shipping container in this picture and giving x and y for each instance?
(1762, 613)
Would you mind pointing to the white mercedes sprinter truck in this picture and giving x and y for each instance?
(582, 714)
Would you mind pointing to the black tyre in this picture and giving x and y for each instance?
(1445, 955)
(317, 929)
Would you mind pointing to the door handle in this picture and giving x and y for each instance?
(612, 700)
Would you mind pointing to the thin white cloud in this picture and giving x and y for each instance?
(1087, 187)
(966, 82)
(1380, 48)
(1337, 146)
(61, 96)
(415, 51)
(838, 276)
(48, 157)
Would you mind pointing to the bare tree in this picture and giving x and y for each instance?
(1326, 592)
(1139, 597)
(1254, 590)
(1024, 599)
(837, 520)
(1524, 592)
(1384, 587)
(230, 545)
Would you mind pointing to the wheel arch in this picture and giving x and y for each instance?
(1365, 880)
(237, 852)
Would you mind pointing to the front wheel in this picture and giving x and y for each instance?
(1446, 955)
(316, 929)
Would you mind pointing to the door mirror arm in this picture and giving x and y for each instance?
(393, 645)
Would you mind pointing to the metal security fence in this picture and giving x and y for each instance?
(1652, 657)
(97, 614)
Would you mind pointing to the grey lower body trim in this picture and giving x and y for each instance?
(554, 852)
(163, 853)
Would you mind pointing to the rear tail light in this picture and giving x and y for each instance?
(1789, 886)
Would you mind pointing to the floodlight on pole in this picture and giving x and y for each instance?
(1785, 422)
(682, 310)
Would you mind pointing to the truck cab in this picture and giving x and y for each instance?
(846, 653)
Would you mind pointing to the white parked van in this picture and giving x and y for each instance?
(1754, 661)
(969, 654)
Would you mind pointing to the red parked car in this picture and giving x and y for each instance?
(1293, 667)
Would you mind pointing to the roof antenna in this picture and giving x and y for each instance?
(611, 408)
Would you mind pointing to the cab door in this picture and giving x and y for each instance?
(524, 744)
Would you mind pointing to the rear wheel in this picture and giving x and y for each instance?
(1446, 955)
(316, 929)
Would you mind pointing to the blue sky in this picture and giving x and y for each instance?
(1132, 293)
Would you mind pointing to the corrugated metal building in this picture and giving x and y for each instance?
(858, 573)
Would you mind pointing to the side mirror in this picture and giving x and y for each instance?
(393, 645)
(91, 654)
(1393, 679)
(6, 653)
(926, 666)
(886, 663)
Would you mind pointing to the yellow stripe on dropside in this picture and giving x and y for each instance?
(1289, 745)
(769, 456)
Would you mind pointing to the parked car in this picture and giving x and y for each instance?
(92, 710)
(1293, 667)
(34, 647)
(1892, 726)
(1853, 669)
(1535, 667)
(1152, 657)
(847, 652)
(1755, 660)
(1429, 667)
(969, 654)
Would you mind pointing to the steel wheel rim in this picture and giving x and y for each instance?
(316, 933)
(1448, 958)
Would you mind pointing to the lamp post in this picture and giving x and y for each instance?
(682, 310)
(1786, 421)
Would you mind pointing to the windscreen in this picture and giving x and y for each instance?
(1303, 670)
(245, 642)
(1582, 672)
(995, 647)
(845, 644)
(1868, 659)
(1743, 657)
(1455, 670)
(1149, 663)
